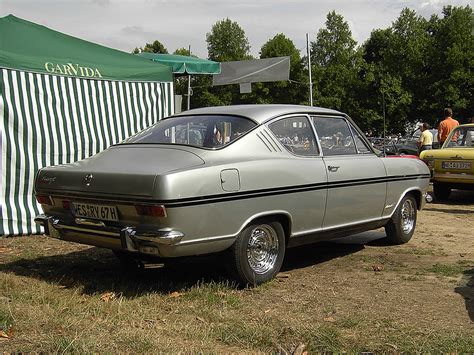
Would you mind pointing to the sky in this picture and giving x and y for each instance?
(126, 24)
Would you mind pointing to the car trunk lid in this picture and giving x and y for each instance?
(120, 170)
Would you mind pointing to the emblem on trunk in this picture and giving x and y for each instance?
(88, 179)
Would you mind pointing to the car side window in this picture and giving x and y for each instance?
(334, 135)
(296, 135)
(361, 146)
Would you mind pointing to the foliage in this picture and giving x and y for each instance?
(281, 92)
(227, 42)
(336, 64)
(452, 61)
(416, 66)
(155, 47)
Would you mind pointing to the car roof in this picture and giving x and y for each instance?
(260, 113)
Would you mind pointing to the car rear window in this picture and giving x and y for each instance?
(462, 136)
(205, 131)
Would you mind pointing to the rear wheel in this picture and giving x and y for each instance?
(441, 191)
(258, 252)
(401, 226)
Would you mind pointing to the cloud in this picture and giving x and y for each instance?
(102, 3)
(133, 30)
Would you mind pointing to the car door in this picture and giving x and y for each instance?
(307, 170)
(356, 176)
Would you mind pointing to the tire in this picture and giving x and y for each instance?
(128, 260)
(401, 226)
(441, 191)
(258, 253)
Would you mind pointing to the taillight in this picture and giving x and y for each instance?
(151, 210)
(44, 200)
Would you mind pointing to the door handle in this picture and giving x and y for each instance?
(332, 168)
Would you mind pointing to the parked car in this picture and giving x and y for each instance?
(263, 178)
(409, 144)
(452, 166)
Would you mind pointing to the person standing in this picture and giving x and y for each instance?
(426, 138)
(446, 126)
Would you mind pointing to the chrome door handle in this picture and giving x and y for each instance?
(332, 168)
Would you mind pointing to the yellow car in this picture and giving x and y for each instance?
(452, 166)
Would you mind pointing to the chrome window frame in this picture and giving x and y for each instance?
(311, 126)
(351, 126)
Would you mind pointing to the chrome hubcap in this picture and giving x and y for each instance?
(408, 216)
(262, 249)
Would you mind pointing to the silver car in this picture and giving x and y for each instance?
(249, 181)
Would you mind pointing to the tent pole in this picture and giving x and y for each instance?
(189, 84)
(309, 71)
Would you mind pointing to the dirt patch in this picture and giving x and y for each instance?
(356, 295)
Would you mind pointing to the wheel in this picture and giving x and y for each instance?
(128, 260)
(401, 226)
(258, 252)
(441, 191)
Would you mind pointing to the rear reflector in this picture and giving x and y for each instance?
(151, 210)
(44, 200)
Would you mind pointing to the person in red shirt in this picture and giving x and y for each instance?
(446, 125)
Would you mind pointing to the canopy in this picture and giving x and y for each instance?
(182, 64)
(253, 71)
(28, 46)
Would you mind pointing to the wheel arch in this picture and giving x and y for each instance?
(283, 217)
(417, 195)
(418, 198)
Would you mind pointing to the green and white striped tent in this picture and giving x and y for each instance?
(63, 99)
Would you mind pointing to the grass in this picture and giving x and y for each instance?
(52, 300)
(452, 270)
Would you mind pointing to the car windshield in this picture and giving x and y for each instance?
(460, 137)
(205, 131)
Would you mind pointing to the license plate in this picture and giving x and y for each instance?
(86, 210)
(456, 165)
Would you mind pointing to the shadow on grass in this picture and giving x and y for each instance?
(97, 270)
(467, 292)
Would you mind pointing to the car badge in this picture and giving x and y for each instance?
(88, 179)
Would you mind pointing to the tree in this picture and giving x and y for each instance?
(452, 61)
(398, 66)
(227, 42)
(155, 47)
(282, 91)
(336, 63)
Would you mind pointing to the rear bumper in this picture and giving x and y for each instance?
(94, 233)
(454, 178)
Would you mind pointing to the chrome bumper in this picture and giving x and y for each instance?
(129, 238)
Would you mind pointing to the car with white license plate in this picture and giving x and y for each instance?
(452, 166)
(246, 181)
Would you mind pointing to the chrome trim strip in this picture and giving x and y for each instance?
(89, 222)
(88, 231)
(339, 226)
(460, 176)
(209, 239)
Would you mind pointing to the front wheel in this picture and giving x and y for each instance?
(258, 253)
(401, 226)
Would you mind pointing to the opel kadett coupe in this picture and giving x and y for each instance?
(452, 166)
(248, 181)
